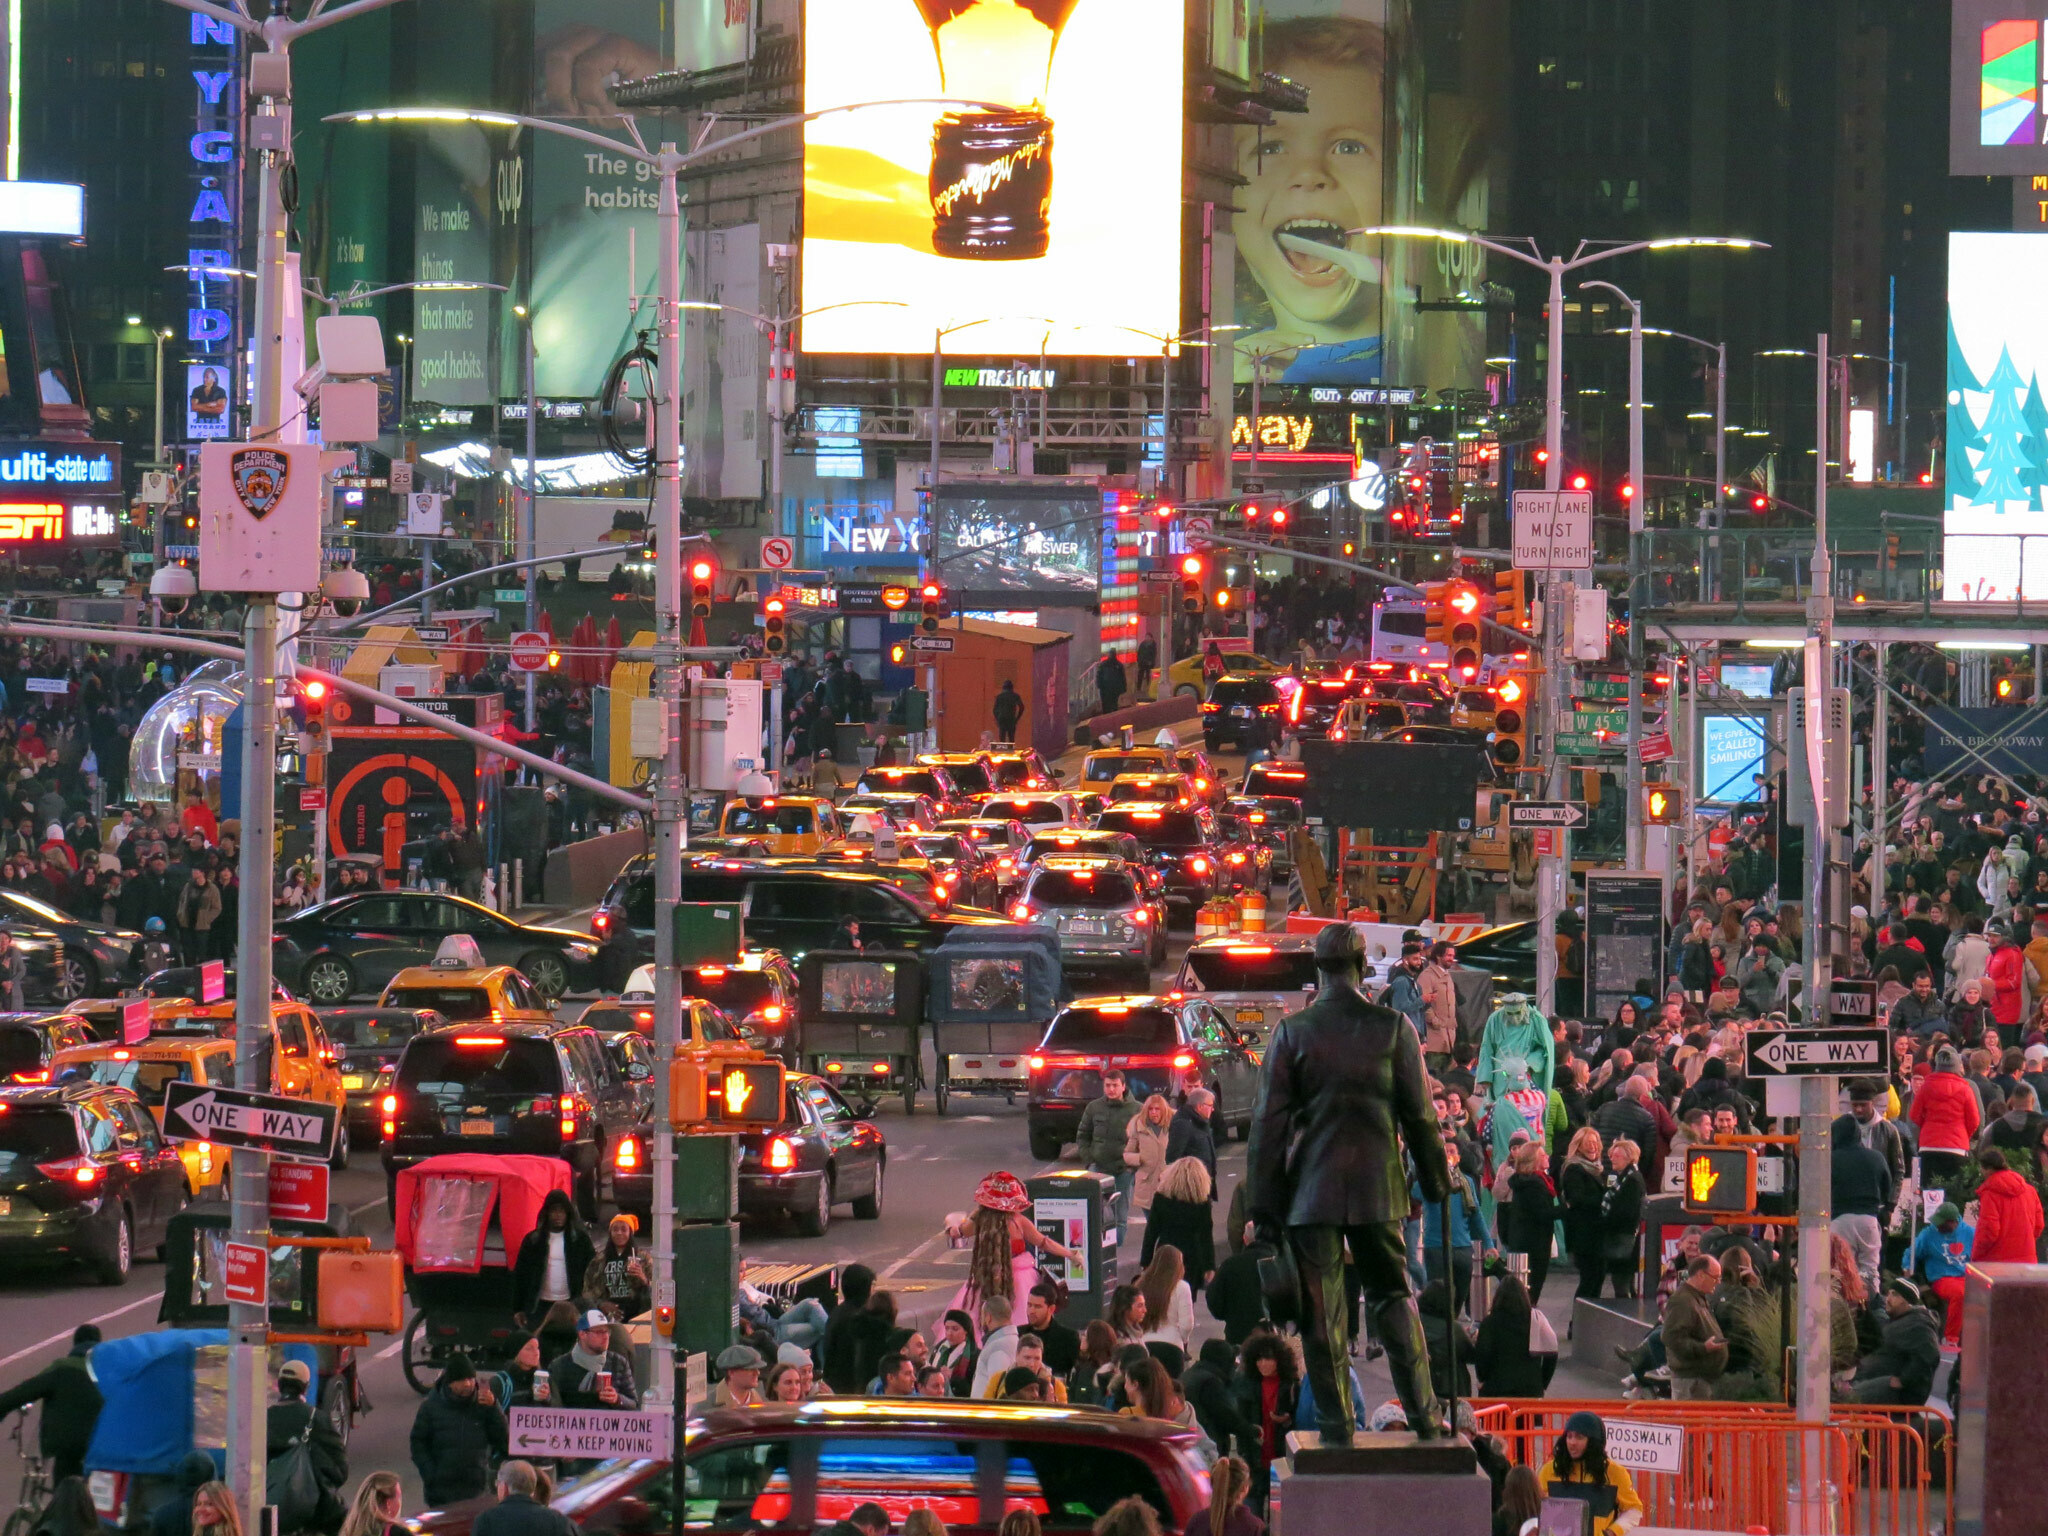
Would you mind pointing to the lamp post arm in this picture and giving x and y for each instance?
(321, 17)
(233, 16)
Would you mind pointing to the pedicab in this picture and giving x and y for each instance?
(460, 1219)
(858, 1018)
(990, 992)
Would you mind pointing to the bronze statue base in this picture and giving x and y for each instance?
(1379, 1452)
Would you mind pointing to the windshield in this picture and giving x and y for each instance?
(737, 992)
(1107, 765)
(1251, 968)
(1155, 829)
(28, 903)
(1276, 781)
(948, 847)
(370, 1030)
(768, 819)
(1144, 789)
(1401, 621)
(35, 1136)
(1035, 813)
(903, 781)
(1013, 771)
(1082, 888)
(1139, 1029)
(452, 1002)
(146, 1079)
(451, 1073)
(21, 1050)
(606, 1017)
(971, 778)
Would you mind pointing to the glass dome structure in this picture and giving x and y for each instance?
(176, 749)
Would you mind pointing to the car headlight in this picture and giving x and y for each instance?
(582, 951)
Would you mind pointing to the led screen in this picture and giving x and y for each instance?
(1733, 748)
(1013, 538)
(1041, 215)
(1994, 514)
(1998, 111)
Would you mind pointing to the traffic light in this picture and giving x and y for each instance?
(781, 382)
(1759, 502)
(1512, 699)
(721, 1089)
(1580, 482)
(554, 660)
(775, 624)
(309, 705)
(1462, 600)
(1662, 805)
(701, 573)
(1511, 600)
(1719, 1181)
(1436, 613)
(931, 599)
(1191, 584)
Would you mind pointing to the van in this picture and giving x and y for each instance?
(1399, 631)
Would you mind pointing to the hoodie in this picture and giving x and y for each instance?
(1860, 1180)
(1947, 1112)
(2008, 1220)
(1910, 1350)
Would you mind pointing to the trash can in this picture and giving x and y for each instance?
(1079, 1208)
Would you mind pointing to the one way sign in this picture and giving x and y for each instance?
(261, 1122)
(1569, 814)
(1818, 1052)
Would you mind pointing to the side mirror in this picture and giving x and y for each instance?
(864, 1110)
(639, 1072)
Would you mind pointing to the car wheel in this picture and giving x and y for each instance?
(549, 975)
(75, 976)
(339, 1162)
(869, 1207)
(329, 979)
(1046, 1146)
(119, 1258)
(814, 1219)
(1187, 691)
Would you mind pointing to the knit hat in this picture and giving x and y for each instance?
(459, 1368)
(1905, 1288)
(792, 1354)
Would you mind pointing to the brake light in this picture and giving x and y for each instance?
(1202, 785)
(880, 1069)
(390, 1104)
(1183, 1060)
(33, 1077)
(1294, 704)
(73, 1170)
(1021, 911)
(1141, 917)
(772, 1013)
(1036, 1063)
(781, 1156)
(1257, 817)
(643, 1016)
(122, 1055)
(1199, 865)
(1284, 773)
(480, 1040)
(710, 972)
(1250, 949)
(627, 1158)
(1113, 1010)
(600, 920)
(1210, 709)
(835, 1066)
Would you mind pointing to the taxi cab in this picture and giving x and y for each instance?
(304, 1061)
(1186, 675)
(902, 808)
(148, 1069)
(931, 780)
(969, 771)
(1101, 769)
(786, 824)
(1161, 788)
(1012, 768)
(461, 988)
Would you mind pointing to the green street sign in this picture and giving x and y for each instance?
(510, 594)
(1589, 720)
(1602, 688)
(1584, 744)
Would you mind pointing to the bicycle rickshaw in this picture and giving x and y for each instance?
(989, 994)
(460, 1219)
(858, 1021)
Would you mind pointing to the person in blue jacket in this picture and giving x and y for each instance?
(1940, 1255)
(1468, 1229)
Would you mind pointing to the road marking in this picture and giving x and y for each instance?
(911, 1257)
(59, 1338)
(390, 1349)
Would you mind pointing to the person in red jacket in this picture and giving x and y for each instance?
(2008, 1215)
(2005, 973)
(1946, 1110)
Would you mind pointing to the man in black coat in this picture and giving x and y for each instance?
(1236, 1298)
(455, 1435)
(537, 1283)
(1207, 1386)
(518, 1512)
(1191, 1133)
(853, 1334)
(1341, 1089)
(71, 1405)
(291, 1417)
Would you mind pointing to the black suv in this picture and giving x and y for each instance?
(1162, 1045)
(1241, 710)
(29, 1042)
(85, 1175)
(794, 909)
(1183, 845)
(551, 1090)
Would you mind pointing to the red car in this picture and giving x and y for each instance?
(802, 1467)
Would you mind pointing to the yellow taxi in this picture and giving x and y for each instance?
(1186, 675)
(467, 994)
(789, 825)
(1475, 708)
(1101, 769)
(147, 1070)
(1175, 789)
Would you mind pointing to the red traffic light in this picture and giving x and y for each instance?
(1279, 517)
(1579, 482)
(1191, 565)
(1760, 503)
(313, 691)
(701, 570)
(1542, 455)
(1628, 492)
(931, 590)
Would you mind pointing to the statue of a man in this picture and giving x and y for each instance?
(1342, 1087)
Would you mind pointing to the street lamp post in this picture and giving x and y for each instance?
(267, 77)
(665, 164)
(1633, 843)
(1553, 873)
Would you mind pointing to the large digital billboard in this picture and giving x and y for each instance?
(1020, 538)
(1994, 511)
(1041, 215)
(1998, 110)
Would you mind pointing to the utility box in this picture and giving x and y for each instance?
(709, 932)
(707, 1178)
(707, 1278)
(1080, 1209)
(727, 733)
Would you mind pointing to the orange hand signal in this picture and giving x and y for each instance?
(1704, 1177)
(737, 1091)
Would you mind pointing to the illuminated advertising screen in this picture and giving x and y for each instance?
(1994, 516)
(1040, 215)
(1733, 749)
(1998, 111)
(1045, 539)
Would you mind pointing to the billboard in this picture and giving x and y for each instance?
(583, 204)
(725, 432)
(711, 34)
(1047, 220)
(1998, 110)
(1009, 537)
(1994, 516)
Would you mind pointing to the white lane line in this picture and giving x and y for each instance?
(914, 1255)
(59, 1338)
(390, 1349)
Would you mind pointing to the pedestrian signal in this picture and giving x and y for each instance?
(1719, 1181)
(722, 1090)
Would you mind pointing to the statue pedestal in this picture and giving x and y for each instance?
(1392, 1483)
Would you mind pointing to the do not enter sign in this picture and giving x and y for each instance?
(529, 650)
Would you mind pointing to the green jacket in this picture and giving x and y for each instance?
(1101, 1137)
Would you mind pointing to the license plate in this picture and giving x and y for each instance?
(1241, 709)
(6, 1206)
(1251, 1015)
(479, 1127)
(1084, 925)
(352, 1080)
